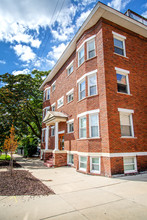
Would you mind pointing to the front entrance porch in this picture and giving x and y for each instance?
(57, 156)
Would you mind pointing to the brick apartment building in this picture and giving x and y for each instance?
(94, 98)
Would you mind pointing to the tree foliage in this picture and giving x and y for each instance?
(21, 104)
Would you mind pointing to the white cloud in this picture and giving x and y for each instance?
(2, 62)
(57, 51)
(118, 4)
(25, 53)
(144, 14)
(25, 71)
(82, 18)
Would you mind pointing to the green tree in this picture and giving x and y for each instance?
(21, 104)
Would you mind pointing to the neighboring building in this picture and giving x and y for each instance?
(94, 98)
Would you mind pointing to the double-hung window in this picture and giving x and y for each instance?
(130, 164)
(91, 49)
(69, 68)
(44, 95)
(122, 81)
(119, 44)
(95, 164)
(82, 89)
(70, 127)
(48, 93)
(92, 85)
(53, 86)
(82, 127)
(53, 106)
(126, 122)
(43, 134)
(93, 125)
(83, 163)
(70, 95)
(81, 56)
(60, 102)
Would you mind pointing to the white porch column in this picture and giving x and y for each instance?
(56, 135)
(46, 137)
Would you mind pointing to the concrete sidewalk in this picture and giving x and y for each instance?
(78, 196)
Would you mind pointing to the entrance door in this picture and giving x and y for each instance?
(61, 141)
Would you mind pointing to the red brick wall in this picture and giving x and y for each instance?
(117, 166)
(60, 159)
(142, 163)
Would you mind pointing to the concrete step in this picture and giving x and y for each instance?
(48, 165)
(49, 161)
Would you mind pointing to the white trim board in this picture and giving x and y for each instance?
(88, 112)
(86, 74)
(130, 154)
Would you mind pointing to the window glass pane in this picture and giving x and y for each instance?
(83, 165)
(81, 53)
(118, 43)
(95, 160)
(94, 131)
(121, 79)
(83, 159)
(95, 167)
(129, 167)
(83, 132)
(91, 45)
(71, 158)
(119, 51)
(124, 119)
(129, 160)
(92, 85)
(94, 120)
(83, 122)
(82, 86)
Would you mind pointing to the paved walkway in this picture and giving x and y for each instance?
(78, 196)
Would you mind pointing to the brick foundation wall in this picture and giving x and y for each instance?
(60, 159)
(142, 163)
(117, 166)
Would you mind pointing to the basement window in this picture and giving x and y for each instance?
(130, 165)
(83, 163)
(95, 164)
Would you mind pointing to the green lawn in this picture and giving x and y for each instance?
(3, 157)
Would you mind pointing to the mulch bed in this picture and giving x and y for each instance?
(21, 182)
(5, 164)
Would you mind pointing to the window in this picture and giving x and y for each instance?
(90, 49)
(122, 80)
(81, 56)
(71, 159)
(45, 110)
(126, 123)
(82, 90)
(48, 93)
(83, 163)
(70, 70)
(44, 96)
(53, 86)
(70, 95)
(53, 106)
(92, 85)
(82, 126)
(70, 127)
(119, 44)
(130, 165)
(95, 164)
(53, 131)
(60, 102)
(43, 135)
(93, 125)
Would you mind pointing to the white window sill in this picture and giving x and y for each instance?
(88, 138)
(124, 93)
(130, 171)
(70, 132)
(81, 99)
(121, 55)
(128, 137)
(71, 164)
(70, 102)
(81, 169)
(91, 58)
(95, 172)
(87, 97)
(92, 95)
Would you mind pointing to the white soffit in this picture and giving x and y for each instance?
(100, 10)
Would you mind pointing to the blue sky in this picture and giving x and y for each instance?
(33, 34)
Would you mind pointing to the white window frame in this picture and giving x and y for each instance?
(43, 136)
(79, 88)
(135, 165)
(45, 111)
(121, 38)
(70, 93)
(82, 48)
(53, 86)
(90, 125)
(68, 124)
(94, 74)
(129, 112)
(58, 102)
(48, 94)
(125, 73)
(82, 169)
(93, 40)
(95, 171)
(52, 128)
(80, 127)
(68, 68)
(69, 161)
(53, 106)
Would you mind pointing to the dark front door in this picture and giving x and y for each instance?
(61, 141)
